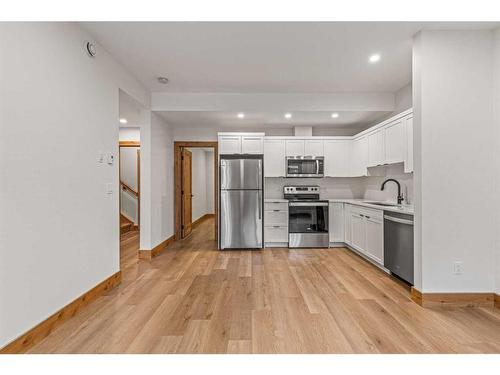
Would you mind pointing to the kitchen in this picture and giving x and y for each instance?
(294, 181)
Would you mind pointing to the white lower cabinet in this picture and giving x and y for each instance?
(357, 231)
(347, 224)
(275, 224)
(365, 231)
(374, 239)
(336, 222)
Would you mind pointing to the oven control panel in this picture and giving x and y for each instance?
(301, 192)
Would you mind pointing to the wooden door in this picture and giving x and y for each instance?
(186, 191)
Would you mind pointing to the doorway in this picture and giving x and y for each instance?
(195, 175)
(129, 183)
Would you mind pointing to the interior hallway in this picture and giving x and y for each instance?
(195, 299)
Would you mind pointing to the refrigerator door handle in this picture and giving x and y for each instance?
(260, 205)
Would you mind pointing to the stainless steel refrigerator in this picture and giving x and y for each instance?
(241, 202)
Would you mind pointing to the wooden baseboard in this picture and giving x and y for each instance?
(202, 219)
(43, 329)
(453, 299)
(497, 301)
(157, 250)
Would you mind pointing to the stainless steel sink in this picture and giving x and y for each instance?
(384, 204)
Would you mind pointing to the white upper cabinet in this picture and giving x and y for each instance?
(359, 157)
(376, 148)
(336, 154)
(274, 158)
(252, 144)
(313, 147)
(395, 142)
(229, 144)
(241, 143)
(409, 144)
(295, 147)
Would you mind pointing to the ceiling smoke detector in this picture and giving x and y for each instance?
(163, 80)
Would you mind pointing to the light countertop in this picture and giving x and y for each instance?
(404, 209)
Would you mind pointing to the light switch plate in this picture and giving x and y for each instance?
(100, 157)
(110, 158)
(109, 188)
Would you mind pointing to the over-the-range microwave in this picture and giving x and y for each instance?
(305, 166)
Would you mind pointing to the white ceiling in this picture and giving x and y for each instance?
(229, 120)
(265, 56)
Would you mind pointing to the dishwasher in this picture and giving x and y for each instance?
(398, 244)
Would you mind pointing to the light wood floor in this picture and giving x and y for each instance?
(195, 299)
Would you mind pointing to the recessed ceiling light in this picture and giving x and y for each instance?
(335, 115)
(241, 115)
(374, 58)
(163, 80)
(123, 121)
(288, 115)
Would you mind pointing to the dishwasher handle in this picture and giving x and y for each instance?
(398, 220)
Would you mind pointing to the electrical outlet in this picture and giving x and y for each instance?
(458, 268)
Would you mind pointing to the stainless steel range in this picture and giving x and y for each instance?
(307, 217)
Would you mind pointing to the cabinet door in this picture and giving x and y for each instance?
(374, 243)
(376, 149)
(358, 235)
(336, 222)
(409, 145)
(347, 224)
(252, 145)
(313, 147)
(295, 147)
(337, 158)
(274, 158)
(395, 142)
(359, 157)
(230, 144)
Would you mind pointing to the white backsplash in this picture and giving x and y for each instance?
(350, 187)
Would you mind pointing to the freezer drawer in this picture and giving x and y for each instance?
(241, 173)
(241, 219)
(398, 245)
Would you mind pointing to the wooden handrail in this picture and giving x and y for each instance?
(126, 187)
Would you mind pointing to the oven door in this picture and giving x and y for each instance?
(298, 167)
(308, 217)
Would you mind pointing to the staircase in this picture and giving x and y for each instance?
(126, 225)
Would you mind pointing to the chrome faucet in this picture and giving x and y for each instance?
(400, 196)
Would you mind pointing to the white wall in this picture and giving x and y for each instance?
(455, 147)
(199, 183)
(209, 165)
(157, 182)
(496, 109)
(203, 182)
(58, 109)
(130, 134)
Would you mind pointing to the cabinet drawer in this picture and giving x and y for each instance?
(276, 218)
(367, 212)
(272, 206)
(276, 234)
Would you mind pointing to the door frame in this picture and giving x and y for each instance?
(130, 144)
(178, 146)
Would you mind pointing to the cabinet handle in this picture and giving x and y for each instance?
(276, 210)
(276, 226)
